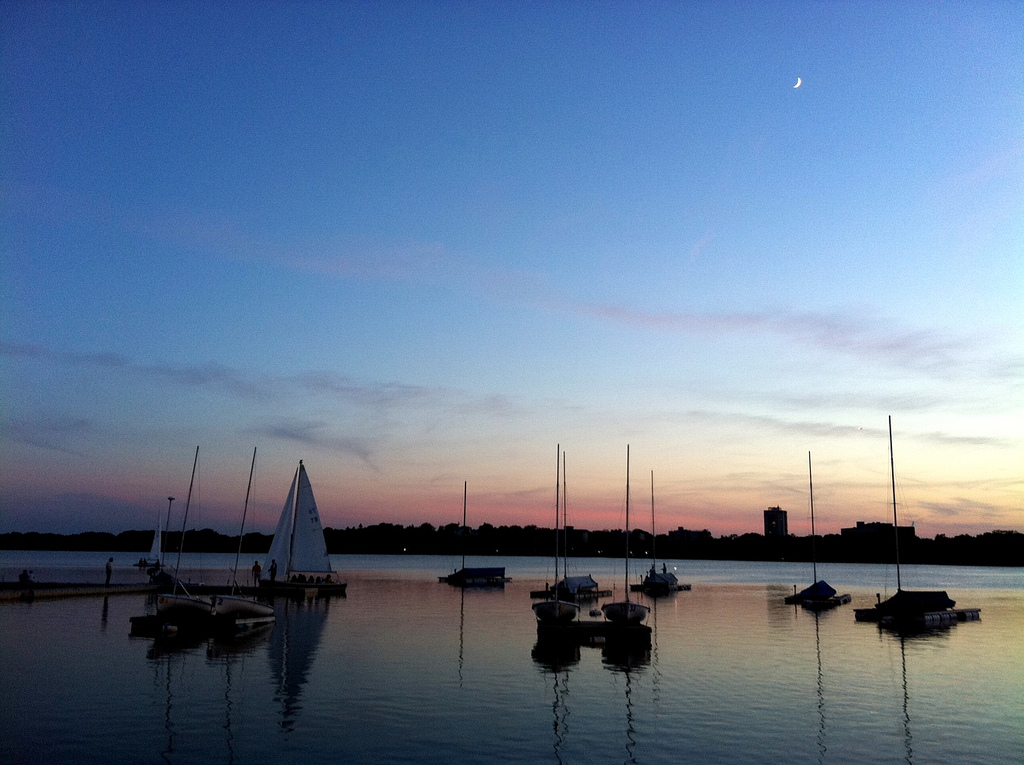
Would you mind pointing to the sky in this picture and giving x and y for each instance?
(422, 244)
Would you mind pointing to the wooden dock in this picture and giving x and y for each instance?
(570, 596)
(819, 604)
(56, 590)
(944, 618)
(594, 632)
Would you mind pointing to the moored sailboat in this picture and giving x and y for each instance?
(247, 613)
(658, 582)
(626, 611)
(820, 595)
(179, 608)
(474, 576)
(912, 609)
(298, 555)
(557, 609)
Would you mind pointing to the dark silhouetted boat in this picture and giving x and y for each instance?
(820, 595)
(562, 605)
(912, 609)
(480, 576)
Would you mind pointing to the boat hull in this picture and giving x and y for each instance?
(235, 607)
(477, 577)
(556, 611)
(625, 612)
(183, 608)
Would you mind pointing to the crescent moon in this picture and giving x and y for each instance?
(798, 82)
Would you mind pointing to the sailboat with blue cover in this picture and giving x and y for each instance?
(820, 595)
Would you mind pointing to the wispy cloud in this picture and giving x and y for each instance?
(53, 433)
(251, 384)
(316, 435)
(933, 352)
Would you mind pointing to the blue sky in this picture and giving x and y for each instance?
(420, 243)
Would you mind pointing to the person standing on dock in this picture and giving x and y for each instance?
(273, 570)
(257, 569)
(110, 568)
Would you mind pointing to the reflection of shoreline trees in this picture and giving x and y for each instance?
(994, 548)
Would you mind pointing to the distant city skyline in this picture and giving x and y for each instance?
(416, 244)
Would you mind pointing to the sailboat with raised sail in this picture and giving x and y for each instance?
(820, 595)
(912, 608)
(626, 611)
(298, 557)
(474, 576)
(247, 613)
(156, 553)
(557, 609)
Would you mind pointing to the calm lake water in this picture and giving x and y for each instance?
(407, 670)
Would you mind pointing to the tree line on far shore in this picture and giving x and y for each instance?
(994, 548)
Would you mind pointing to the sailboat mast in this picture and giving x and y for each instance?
(654, 531)
(627, 523)
(167, 530)
(184, 518)
(465, 490)
(565, 533)
(895, 525)
(295, 515)
(241, 531)
(558, 499)
(814, 556)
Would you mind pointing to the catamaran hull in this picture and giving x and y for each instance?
(555, 611)
(626, 612)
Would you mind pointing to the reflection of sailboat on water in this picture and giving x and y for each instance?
(822, 746)
(628, 662)
(556, 659)
(292, 649)
(177, 660)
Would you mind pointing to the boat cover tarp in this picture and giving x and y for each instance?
(915, 602)
(819, 590)
(660, 578)
(574, 584)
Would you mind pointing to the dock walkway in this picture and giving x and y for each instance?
(53, 590)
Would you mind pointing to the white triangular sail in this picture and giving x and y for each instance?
(299, 546)
(309, 548)
(282, 535)
(155, 553)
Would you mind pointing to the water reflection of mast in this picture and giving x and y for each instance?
(822, 748)
(626, 660)
(630, 730)
(227, 712)
(462, 625)
(557, 658)
(560, 712)
(907, 742)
